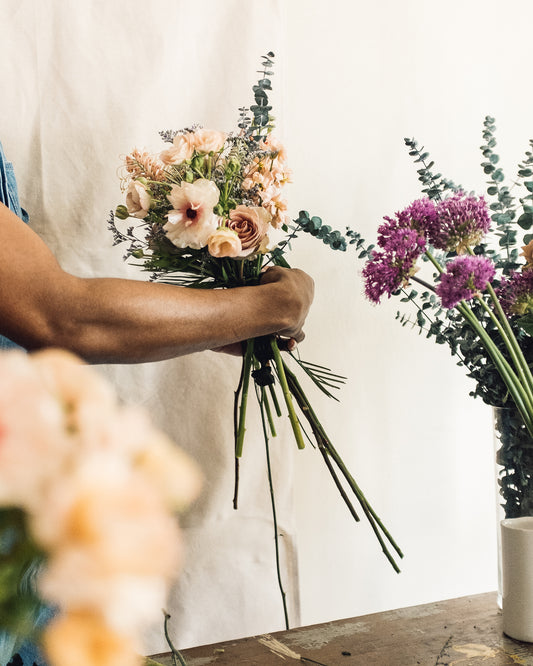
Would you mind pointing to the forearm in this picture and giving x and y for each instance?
(113, 320)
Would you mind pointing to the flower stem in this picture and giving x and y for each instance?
(328, 450)
(280, 366)
(262, 403)
(507, 374)
(525, 371)
(241, 428)
(176, 654)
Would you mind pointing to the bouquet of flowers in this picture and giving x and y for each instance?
(88, 496)
(456, 258)
(211, 214)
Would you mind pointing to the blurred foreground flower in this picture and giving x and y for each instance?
(88, 489)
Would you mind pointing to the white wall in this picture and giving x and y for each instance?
(361, 77)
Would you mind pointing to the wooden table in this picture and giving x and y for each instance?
(458, 632)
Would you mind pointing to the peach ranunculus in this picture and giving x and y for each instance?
(192, 220)
(138, 199)
(182, 149)
(251, 224)
(207, 141)
(224, 243)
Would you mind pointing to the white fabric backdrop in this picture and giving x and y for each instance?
(82, 82)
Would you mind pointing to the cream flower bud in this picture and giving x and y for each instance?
(224, 243)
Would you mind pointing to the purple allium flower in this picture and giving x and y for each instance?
(461, 222)
(418, 217)
(465, 276)
(385, 272)
(381, 276)
(516, 293)
(402, 240)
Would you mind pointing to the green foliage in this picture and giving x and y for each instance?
(514, 458)
(434, 185)
(262, 122)
(19, 603)
(313, 225)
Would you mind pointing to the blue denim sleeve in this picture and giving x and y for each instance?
(9, 196)
(28, 653)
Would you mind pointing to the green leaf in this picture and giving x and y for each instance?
(526, 323)
(526, 220)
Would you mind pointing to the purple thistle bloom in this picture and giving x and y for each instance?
(465, 276)
(516, 293)
(461, 222)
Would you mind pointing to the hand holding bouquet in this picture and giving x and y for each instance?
(212, 215)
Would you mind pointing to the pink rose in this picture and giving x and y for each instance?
(207, 141)
(251, 225)
(224, 243)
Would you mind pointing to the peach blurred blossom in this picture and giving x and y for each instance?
(83, 638)
(100, 486)
(31, 449)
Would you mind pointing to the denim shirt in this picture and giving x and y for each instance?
(9, 197)
(28, 653)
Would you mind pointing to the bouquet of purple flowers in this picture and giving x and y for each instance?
(457, 259)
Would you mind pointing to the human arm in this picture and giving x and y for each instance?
(123, 321)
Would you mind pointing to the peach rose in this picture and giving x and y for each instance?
(251, 225)
(224, 243)
(207, 141)
(192, 220)
(138, 199)
(182, 149)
